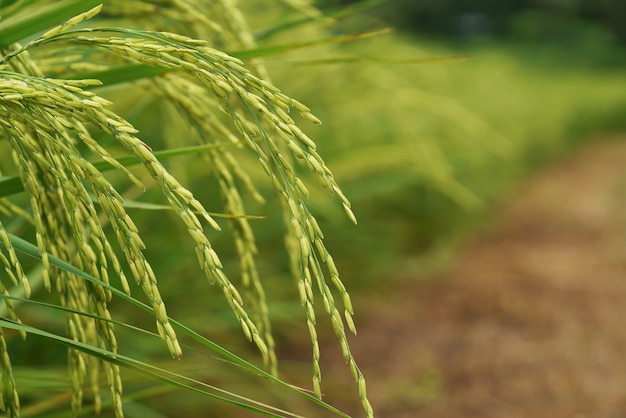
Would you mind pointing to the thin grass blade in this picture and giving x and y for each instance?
(279, 49)
(134, 72)
(153, 372)
(377, 60)
(13, 185)
(329, 14)
(134, 204)
(26, 25)
(31, 250)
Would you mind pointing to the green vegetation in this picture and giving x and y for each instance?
(426, 149)
(423, 138)
(55, 129)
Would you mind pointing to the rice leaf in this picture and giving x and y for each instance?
(12, 185)
(133, 72)
(26, 25)
(31, 250)
(153, 372)
(325, 15)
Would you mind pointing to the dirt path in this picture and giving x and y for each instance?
(529, 320)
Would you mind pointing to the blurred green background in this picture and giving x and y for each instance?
(425, 150)
(427, 129)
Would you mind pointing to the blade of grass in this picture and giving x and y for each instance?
(141, 330)
(133, 72)
(28, 24)
(376, 60)
(164, 155)
(13, 185)
(13, 8)
(10, 185)
(22, 300)
(90, 410)
(278, 49)
(121, 74)
(31, 250)
(328, 14)
(153, 372)
(133, 204)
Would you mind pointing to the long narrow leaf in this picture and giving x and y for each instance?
(10, 185)
(13, 185)
(163, 155)
(133, 72)
(121, 74)
(376, 60)
(329, 14)
(90, 410)
(31, 250)
(133, 204)
(23, 26)
(17, 299)
(147, 369)
(278, 49)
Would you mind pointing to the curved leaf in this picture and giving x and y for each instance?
(28, 24)
(31, 250)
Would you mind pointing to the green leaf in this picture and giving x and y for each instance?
(330, 14)
(174, 379)
(133, 72)
(10, 185)
(154, 372)
(13, 185)
(278, 49)
(133, 204)
(121, 74)
(31, 250)
(22, 26)
(377, 60)
(17, 300)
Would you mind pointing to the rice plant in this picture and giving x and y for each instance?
(63, 143)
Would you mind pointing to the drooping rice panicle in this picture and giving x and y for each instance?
(194, 103)
(262, 104)
(91, 110)
(43, 151)
(9, 399)
(44, 147)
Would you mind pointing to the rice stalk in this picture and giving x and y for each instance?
(46, 122)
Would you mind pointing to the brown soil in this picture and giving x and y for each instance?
(529, 320)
